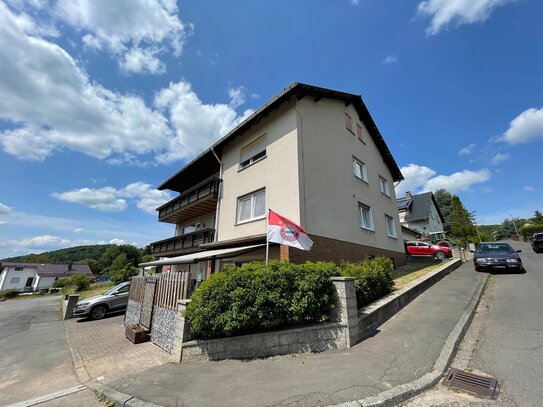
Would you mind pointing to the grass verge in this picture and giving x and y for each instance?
(404, 275)
(94, 289)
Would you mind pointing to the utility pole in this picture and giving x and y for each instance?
(515, 226)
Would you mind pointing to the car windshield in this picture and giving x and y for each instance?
(494, 248)
(112, 290)
(538, 236)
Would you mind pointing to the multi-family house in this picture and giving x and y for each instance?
(311, 154)
(420, 213)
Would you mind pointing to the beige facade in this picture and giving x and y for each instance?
(306, 174)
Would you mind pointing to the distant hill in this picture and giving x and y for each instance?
(74, 254)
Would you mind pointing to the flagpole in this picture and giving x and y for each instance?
(267, 241)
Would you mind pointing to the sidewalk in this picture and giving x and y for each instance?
(404, 349)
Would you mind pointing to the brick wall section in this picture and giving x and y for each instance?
(326, 249)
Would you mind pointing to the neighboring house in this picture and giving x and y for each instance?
(311, 154)
(35, 276)
(420, 213)
(410, 234)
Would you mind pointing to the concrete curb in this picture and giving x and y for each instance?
(408, 390)
(80, 371)
(120, 399)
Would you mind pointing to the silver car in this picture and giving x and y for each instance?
(97, 307)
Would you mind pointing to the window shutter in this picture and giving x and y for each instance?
(253, 148)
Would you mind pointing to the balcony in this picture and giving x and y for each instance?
(184, 244)
(192, 203)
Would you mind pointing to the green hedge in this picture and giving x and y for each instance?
(253, 298)
(79, 281)
(528, 230)
(5, 294)
(373, 279)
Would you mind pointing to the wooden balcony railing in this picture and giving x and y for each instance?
(197, 201)
(183, 244)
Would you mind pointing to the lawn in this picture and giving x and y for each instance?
(94, 289)
(404, 275)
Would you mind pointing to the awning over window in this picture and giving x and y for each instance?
(205, 255)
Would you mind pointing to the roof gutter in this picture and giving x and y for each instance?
(219, 196)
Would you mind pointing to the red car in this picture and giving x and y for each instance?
(427, 249)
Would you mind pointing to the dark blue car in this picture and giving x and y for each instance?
(497, 256)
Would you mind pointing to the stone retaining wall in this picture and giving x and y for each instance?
(133, 311)
(163, 328)
(312, 338)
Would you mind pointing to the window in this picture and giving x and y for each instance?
(348, 123)
(189, 228)
(384, 186)
(19, 268)
(360, 133)
(391, 226)
(366, 218)
(253, 152)
(252, 206)
(360, 170)
(15, 280)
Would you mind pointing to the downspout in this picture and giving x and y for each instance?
(219, 197)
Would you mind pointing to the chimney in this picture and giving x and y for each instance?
(408, 194)
(69, 266)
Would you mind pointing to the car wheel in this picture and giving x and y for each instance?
(439, 255)
(98, 312)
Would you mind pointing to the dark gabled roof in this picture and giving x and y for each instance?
(51, 270)
(418, 206)
(211, 165)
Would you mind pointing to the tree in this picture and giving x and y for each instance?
(462, 226)
(538, 218)
(444, 201)
(121, 269)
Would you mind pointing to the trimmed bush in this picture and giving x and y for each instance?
(6, 294)
(253, 298)
(60, 283)
(528, 230)
(80, 281)
(373, 279)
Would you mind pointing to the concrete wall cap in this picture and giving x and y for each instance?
(342, 278)
(183, 302)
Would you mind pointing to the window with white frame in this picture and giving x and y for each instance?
(391, 226)
(251, 206)
(384, 186)
(253, 152)
(359, 169)
(366, 217)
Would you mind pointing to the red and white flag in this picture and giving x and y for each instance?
(283, 231)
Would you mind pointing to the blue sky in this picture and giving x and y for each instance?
(101, 101)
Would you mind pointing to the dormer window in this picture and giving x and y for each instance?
(253, 152)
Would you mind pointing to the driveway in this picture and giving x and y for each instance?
(34, 356)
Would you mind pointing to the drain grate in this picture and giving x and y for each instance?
(473, 383)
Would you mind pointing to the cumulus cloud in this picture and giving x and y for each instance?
(422, 179)
(444, 13)
(526, 127)
(118, 242)
(45, 240)
(71, 112)
(237, 96)
(131, 29)
(4, 208)
(500, 158)
(109, 199)
(390, 59)
(467, 150)
(197, 125)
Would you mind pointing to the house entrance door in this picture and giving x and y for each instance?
(29, 282)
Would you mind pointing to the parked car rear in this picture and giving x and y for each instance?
(537, 242)
(416, 248)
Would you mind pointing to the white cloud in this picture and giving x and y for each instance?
(237, 96)
(190, 117)
(45, 240)
(131, 29)
(421, 179)
(467, 150)
(446, 12)
(118, 242)
(4, 208)
(354, 2)
(109, 199)
(78, 230)
(500, 158)
(529, 188)
(390, 59)
(3, 222)
(68, 111)
(527, 126)
(139, 60)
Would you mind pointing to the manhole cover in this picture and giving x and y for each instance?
(473, 383)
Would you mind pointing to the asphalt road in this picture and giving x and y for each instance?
(34, 356)
(510, 343)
